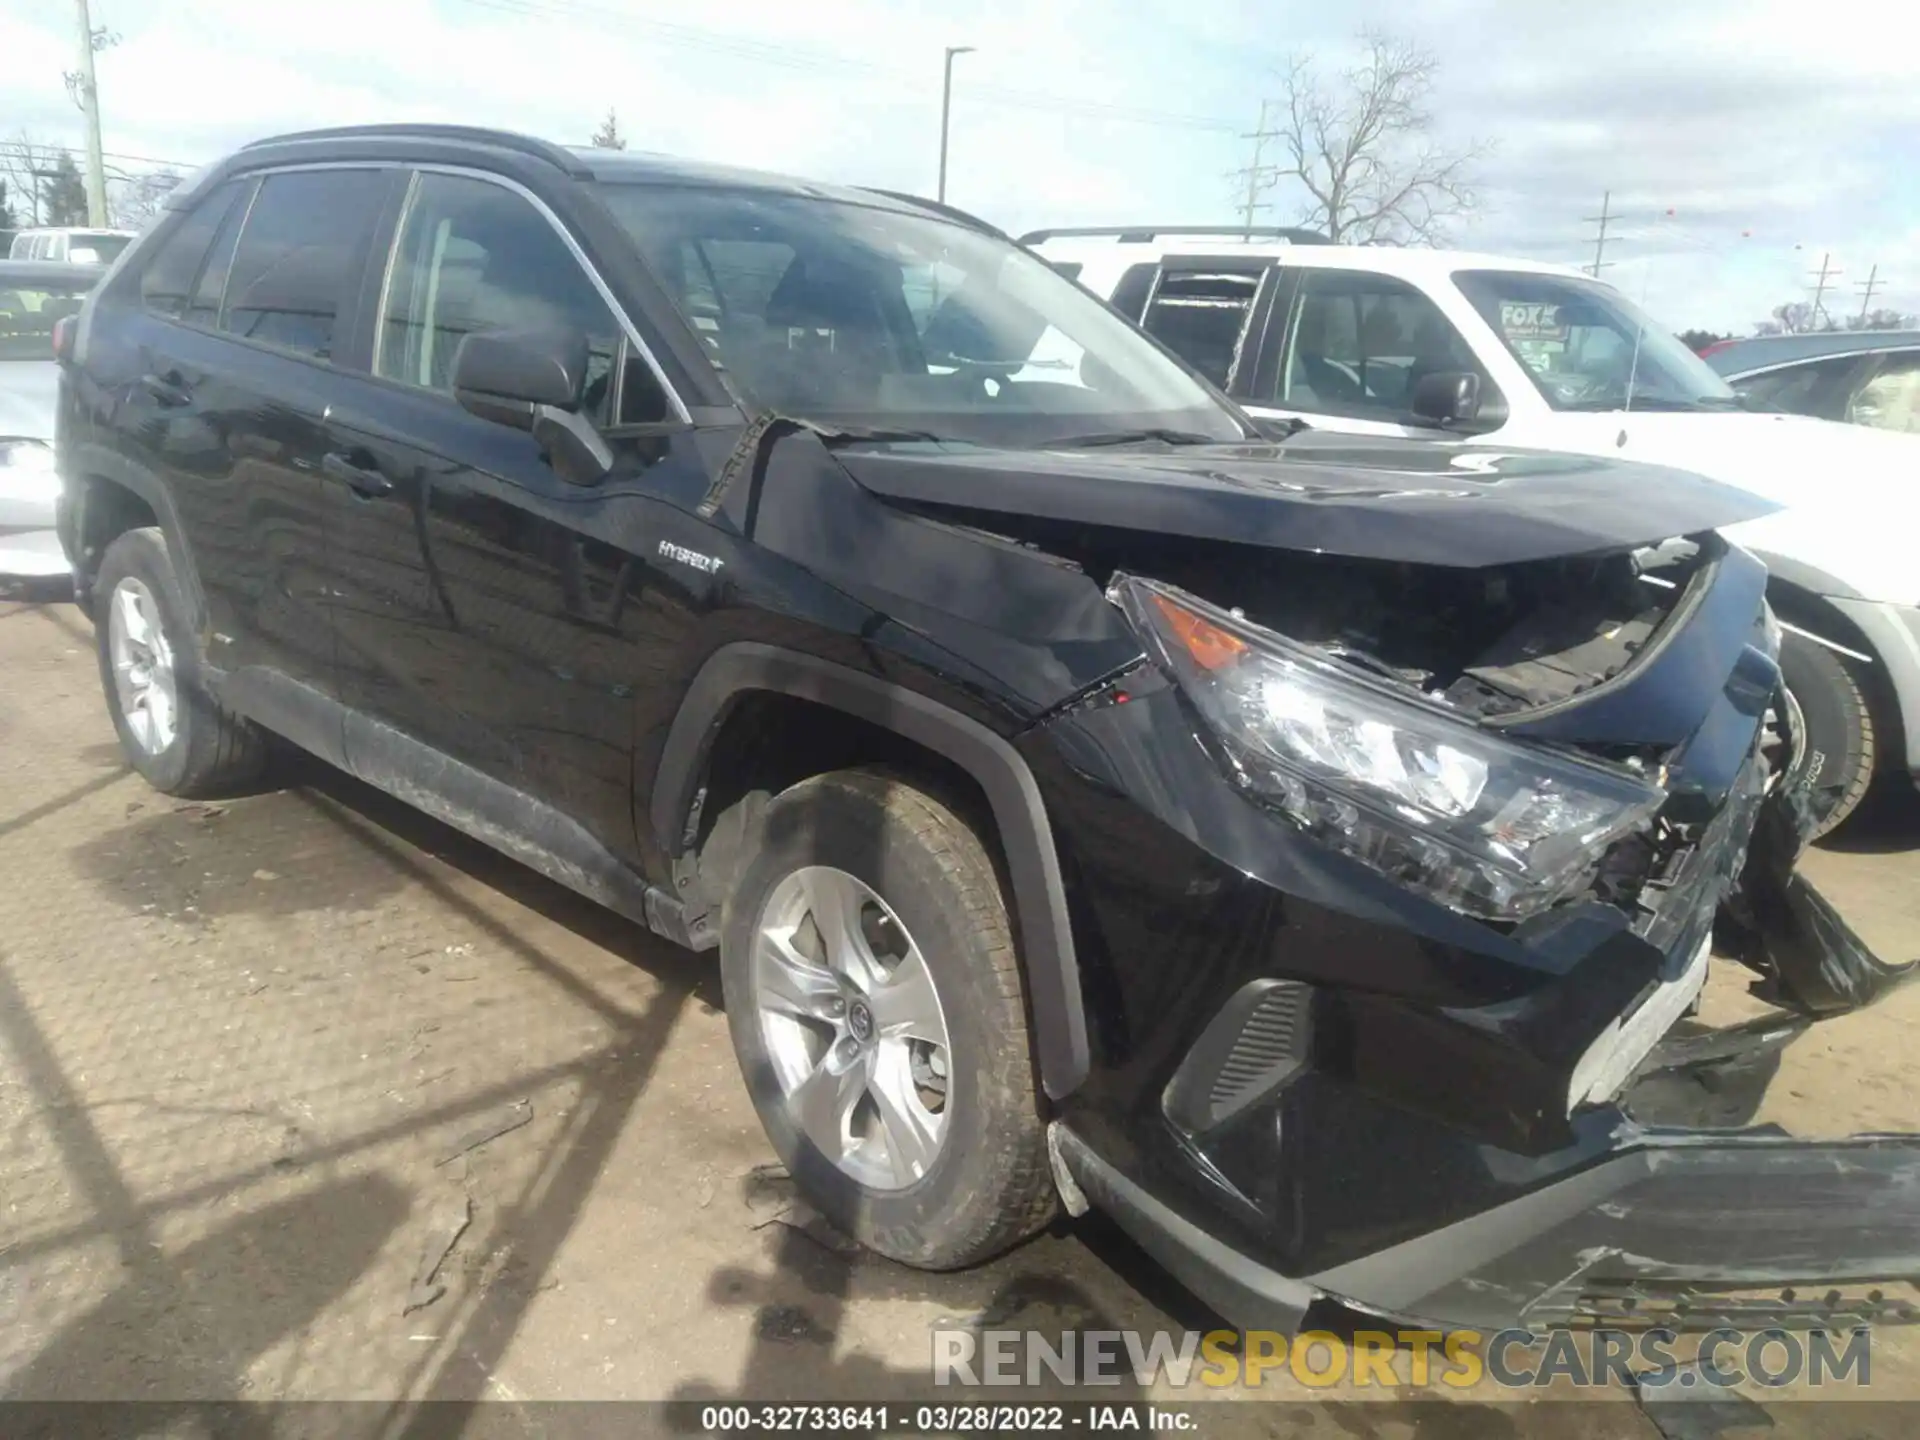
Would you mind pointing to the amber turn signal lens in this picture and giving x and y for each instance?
(1210, 646)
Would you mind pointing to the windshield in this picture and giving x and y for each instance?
(28, 313)
(870, 318)
(1588, 348)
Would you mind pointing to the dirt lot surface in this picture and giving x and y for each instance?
(261, 1063)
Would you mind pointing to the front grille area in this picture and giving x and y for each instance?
(1260, 1038)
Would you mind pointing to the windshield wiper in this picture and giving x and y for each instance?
(1131, 437)
(865, 434)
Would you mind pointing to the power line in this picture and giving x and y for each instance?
(1600, 242)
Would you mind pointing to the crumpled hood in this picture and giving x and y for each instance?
(29, 393)
(1382, 499)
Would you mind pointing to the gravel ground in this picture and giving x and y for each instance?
(262, 1062)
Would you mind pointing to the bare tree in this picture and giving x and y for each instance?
(26, 162)
(133, 200)
(608, 136)
(1363, 147)
(1797, 317)
(1884, 318)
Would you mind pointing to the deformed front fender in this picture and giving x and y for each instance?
(1020, 815)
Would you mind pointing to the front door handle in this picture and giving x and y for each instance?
(168, 389)
(364, 480)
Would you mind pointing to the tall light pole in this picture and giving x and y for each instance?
(946, 112)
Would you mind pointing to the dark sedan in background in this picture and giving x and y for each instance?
(1863, 377)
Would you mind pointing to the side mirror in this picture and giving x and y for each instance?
(534, 381)
(1446, 397)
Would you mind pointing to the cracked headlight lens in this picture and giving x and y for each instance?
(1497, 828)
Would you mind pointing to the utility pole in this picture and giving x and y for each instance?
(1866, 294)
(946, 113)
(89, 97)
(1826, 273)
(1255, 172)
(1600, 243)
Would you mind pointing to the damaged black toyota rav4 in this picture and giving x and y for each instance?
(1292, 847)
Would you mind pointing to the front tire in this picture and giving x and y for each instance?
(170, 729)
(876, 1006)
(1839, 721)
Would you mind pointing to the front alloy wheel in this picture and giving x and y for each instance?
(853, 1027)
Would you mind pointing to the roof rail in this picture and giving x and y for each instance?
(939, 207)
(557, 155)
(1142, 234)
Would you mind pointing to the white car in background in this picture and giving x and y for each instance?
(34, 296)
(1456, 347)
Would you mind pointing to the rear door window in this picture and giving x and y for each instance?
(1201, 315)
(299, 260)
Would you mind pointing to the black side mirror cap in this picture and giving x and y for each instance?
(505, 375)
(1446, 397)
(534, 381)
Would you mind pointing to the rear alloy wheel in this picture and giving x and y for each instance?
(877, 1009)
(171, 730)
(1839, 722)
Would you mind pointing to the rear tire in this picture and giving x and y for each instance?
(170, 729)
(919, 883)
(1840, 731)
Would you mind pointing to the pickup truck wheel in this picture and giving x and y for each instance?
(170, 729)
(1839, 721)
(877, 1010)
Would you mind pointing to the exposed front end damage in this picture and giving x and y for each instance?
(1425, 1109)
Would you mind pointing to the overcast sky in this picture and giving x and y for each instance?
(1774, 132)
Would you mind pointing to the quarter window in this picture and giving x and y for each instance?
(300, 256)
(474, 256)
(168, 278)
(1359, 343)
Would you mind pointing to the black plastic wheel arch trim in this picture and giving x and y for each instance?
(1026, 837)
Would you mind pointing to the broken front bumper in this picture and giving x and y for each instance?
(1408, 1215)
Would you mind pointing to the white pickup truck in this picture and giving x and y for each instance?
(1456, 347)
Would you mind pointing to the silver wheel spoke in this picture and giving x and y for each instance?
(912, 1133)
(791, 984)
(823, 1102)
(133, 617)
(159, 709)
(835, 906)
(906, 1006)
(142, 667)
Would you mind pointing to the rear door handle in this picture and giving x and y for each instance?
(363, 480)
(168, 389)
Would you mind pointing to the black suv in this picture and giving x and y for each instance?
(1291, 847)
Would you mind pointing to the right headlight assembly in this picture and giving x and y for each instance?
(1497, 828)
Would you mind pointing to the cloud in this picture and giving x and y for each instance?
(1760, 124)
